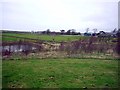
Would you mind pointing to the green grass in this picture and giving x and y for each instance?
(44, 37)
(9, 39)
(60, 73)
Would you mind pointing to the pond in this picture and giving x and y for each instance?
(17, 48)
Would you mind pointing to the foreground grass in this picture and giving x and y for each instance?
(60, 73)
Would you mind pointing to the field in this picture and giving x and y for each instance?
(58, 61)
(60, 73)
(57, 38)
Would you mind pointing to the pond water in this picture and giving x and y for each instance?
(17, 48)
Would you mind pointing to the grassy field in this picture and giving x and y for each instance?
(60, 73)
(42, 37)
(10, 39)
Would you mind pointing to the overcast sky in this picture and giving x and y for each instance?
(59, 14)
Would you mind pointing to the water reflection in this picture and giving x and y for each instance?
(17, 48)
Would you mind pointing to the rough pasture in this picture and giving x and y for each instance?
(56, 38)
(60, 73)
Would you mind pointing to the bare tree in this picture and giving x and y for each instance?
(62, 31)
(68, 32)
(95, 30)
(87, 30)
(115, 30)
(48, 31)
(73, 31)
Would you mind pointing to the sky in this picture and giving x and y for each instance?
(40, 15)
